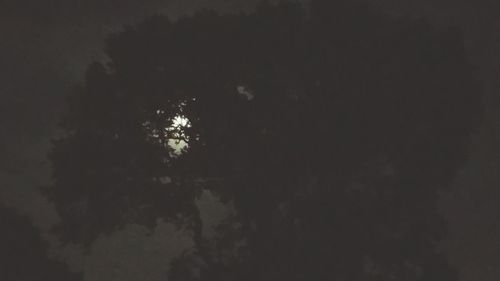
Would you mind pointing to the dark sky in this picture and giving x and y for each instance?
(46, 44)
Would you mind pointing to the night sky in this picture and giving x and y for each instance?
(46, 45)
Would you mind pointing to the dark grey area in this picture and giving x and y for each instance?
(46, 45)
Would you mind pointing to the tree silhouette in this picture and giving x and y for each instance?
(331, 132)
(24, 254)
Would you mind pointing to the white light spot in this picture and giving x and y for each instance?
(180, 121)
(177, 145)
(178, 140)
(172, 135)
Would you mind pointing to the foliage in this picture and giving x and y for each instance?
(330, 131)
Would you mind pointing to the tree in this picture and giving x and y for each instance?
(330, 132)
(24, 254)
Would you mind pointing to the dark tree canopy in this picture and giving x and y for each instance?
(330, 131)
(23, 255)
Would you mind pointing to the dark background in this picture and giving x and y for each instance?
(46, 45)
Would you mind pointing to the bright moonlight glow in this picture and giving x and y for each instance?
(178, 140)
(180, 121)
(174, 136)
